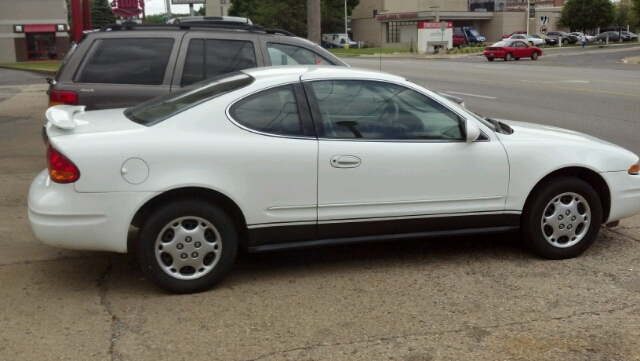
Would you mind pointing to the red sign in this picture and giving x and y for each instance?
(40, 28)
(433, 25)
(127, 8)
(397, 16)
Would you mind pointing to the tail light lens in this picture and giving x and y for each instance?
(63, 97)
(61, 169)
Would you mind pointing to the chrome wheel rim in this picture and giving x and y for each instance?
(188, 248)
(565, 220)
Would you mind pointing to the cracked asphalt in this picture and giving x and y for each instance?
(464, 298)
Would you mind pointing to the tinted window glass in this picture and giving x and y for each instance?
(213, 57)
(164, 106)
(375, 110)
(128, 61)
(281, 54)
(271, 111)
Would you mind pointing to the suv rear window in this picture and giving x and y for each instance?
(128, 61)
(212, 57)
(158, 109)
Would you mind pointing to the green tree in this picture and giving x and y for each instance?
(587, 14)
(101, 14)
(622, 14)
(635, 12)
(291, 15)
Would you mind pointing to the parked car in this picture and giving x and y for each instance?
(471, 35)
(560, 36)
(278, 158)
(210, 19)
(612, 35)
(459, 41)
(531, 40)
(506, 36)
(629, 36)
(124, 65)
(512, 49)
(578, 34)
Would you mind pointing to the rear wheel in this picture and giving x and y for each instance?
(517, 58)
(534, 56)
(187, 246)
(508, 57)
(565, 42)
(563, 219)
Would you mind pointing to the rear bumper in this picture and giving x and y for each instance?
(625, 194)
(61, 217)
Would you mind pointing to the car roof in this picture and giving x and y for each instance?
(314, 72)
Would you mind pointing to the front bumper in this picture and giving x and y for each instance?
(625, 194)
(61, 217)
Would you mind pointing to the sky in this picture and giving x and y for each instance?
(153, 7)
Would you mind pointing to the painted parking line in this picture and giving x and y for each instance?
(471, 95)
(555, 81)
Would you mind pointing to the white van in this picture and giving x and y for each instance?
(337, 41)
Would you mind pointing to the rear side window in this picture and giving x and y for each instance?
(213, 57)
(272, 111)
(128, 61)
(157, 109)
(282, 54)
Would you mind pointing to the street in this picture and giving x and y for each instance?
(463, 298)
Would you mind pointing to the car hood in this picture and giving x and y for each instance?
(559, 142)
(74, 120)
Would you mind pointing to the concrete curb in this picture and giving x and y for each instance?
(39, 71)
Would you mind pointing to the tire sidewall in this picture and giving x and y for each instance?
(533, 214)
(154, 224)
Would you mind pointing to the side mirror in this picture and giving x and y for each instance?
(473, 131)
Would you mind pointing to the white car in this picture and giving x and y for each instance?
(290, 157)
(532, 40)
(590, 38)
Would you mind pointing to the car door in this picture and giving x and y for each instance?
(394, 160)
(204, 55)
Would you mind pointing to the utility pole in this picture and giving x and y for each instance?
(313, 21)
(345, 18)
(167, 4)
(528, 9)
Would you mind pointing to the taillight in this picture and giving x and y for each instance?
(60, 97)
(61, 169)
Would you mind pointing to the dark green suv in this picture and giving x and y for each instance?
(123, 65)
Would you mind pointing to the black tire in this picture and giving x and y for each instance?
(549, 204)
(490, 59)
(534, 56)
(508, 57)
(565, 41)
(517, 58)
(213, 251)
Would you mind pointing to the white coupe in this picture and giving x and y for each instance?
(290, 157)
(532, 40)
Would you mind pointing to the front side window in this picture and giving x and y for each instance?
(376, 110)
(273, 111)
(128, 61)
(283, 54)
(213, 57)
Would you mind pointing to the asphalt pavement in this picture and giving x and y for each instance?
(466, 298)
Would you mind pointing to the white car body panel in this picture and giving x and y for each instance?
(279, 180)
(531, 39)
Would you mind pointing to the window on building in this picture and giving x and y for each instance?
(393, 30)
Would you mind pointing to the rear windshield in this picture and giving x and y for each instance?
(158, 109)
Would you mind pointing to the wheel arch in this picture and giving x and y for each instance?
(591, 177)
(200, 193)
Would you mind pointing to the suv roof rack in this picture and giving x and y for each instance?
(205, 24)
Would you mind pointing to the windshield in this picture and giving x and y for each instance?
(158, 109)
(474, 32)
(502, 43)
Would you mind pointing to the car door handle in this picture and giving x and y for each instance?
(345, 161)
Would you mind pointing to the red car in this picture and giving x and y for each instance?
(512, 49)
(514, 33)
(458, 40)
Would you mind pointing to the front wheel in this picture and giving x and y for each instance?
(565, 42)
(534, 56)
(490, 59)
(562, 219)
(187, 246)
(508, 57)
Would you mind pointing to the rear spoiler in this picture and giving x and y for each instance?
(62, 116)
